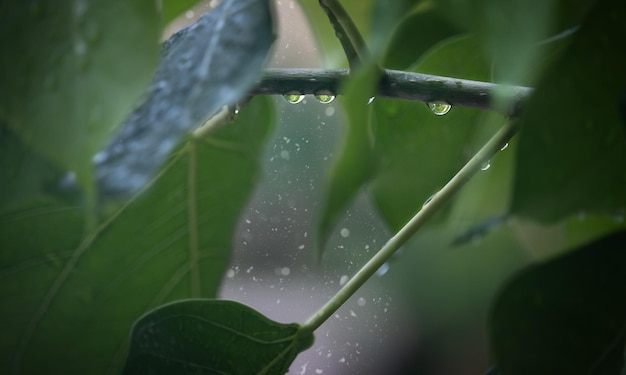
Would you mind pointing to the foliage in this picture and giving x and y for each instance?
(173, 180)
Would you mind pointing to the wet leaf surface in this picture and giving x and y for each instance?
(69, 300)
(195, 78)
(213, 337)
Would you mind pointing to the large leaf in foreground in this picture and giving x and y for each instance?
(572, 143)
(68, 303)
(566, 316)
(205, 66)
(418, 151)
(64, 86)
(355, 162)
(212, 337)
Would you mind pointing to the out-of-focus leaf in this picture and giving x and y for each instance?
(572, 146)
(64, 83)
(565, 316)
(509, 30)
(418, 32)
(24, 175)
(68, 302)
(174, 8)
(197, 75)
(355, 162)
(418, 151)
(213, 337)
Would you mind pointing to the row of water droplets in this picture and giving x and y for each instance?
(439, 108)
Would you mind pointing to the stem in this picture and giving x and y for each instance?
(351, 40)
(438, 200)
(396, 84)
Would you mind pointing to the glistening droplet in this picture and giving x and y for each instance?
(293, 97)
(486, 165)
(504, 147)
(370, 100)
(428, 200)
(439, 108)
(324, 97)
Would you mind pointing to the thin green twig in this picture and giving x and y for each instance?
(400, 238)
(348, 34)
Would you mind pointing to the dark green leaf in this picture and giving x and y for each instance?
(509, 30)
(572, 146)
(24, 175)
(212, 337)
(418, 151)
(196, 77)
(566, 316)
(415, 35)
(355, 162)
(70, 72)
(69, 302)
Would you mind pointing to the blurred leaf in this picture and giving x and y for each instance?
(24, 175)
(64, 83)
(174, 8)
(572, 143)
(69, 302)
(509, 30)
(212, 336)
(565, 316)
(355, 163)
(196, 77)
(418, 32)
(418, 151)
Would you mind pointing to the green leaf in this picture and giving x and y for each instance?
(565, 316)
(24, 174)
(70, 72)
(196, 77)
(213, 337)
(69, 302)
(417, 33)
(417, 151)
(572, 143)
(355, 163)
(509, 30)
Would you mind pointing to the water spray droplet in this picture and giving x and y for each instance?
(324, 97)
(294, 97)
(439, 108)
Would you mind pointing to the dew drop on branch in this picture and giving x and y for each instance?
(486, 165)
(324, 97)
(439, 108)
(294, 97)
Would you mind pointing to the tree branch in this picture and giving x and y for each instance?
(395, 84)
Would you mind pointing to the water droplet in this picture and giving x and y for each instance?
(343, 280)
(504, 147)
(344, 232)
(370, 100)
(428, 200)
(324, 97)
(439, 108)
(486, 165)
(361, 301)
(383, 269)
(294, 97)
(330, 111)
(285, 271)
